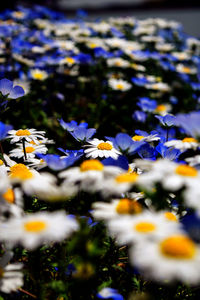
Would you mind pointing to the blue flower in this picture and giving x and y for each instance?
(108, 293)
(139, 116)
(146, 151)
(4, 130)
(169, 153)
(57, 163)
(147, 104)
(120, 162)
(190, 123)
(191, 224)
(7, 89)
(167, 120)
(124, 143)
(72, 125)
(76, 153)
(82, 134)
(139, 81)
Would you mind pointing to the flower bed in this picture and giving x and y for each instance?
(99, 141)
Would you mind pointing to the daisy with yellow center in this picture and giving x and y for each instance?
(19, 172)
(139, 227)
(118, 62)
(147, 138)
(69, 61)
(182, 175)
(119, 84)
(184, 144)
(38, 74)
(33, 230)
(171, 175)
(173, 257)
(25, 134)
(160, 86)
(99, 148)
(180, 68)
(18, 15)
(30, 149)
(163, 109)
(121, 183)
(118, 207)
(90, 175)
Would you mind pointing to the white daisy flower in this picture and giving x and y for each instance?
(159, 86)
(180, 68)
(27, 134)
(119, 84)
(149, 138)
(193, 161)
(186, 143)
(31, 181)
(70, 61)
(181, 175)
(38, 74)
(163, 109)
(146, 225)
(30, 150)
(118, 62)
(55, 193)
(89, 175)
(118, 207)
(191, 196)
(181, 55)
(164, 47)
(174, 257)
(171, 175)
(36, 229)
(100, 148)
(119, 184)
(36, 163)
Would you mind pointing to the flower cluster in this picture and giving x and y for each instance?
(110, 208)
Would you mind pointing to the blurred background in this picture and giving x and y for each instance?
(184, 11)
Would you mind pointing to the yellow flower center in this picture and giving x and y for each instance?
(35, 226)
(145, 227)
(91, 165)
(186, 70)
(137, 138)
(170, 216)
(158, 79)
(127, 178)
(1, 162)
(118, 63)
(104, 146)
(29, 149)
(23, 132)
(185, 170)
(178, 247)
(128, 206)
(38, 76)
(18, 14)
(93, 45)
(9, 196)
(161, 108)
(70, 60)
(120, 86)
(20, 171)
(189, 140)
